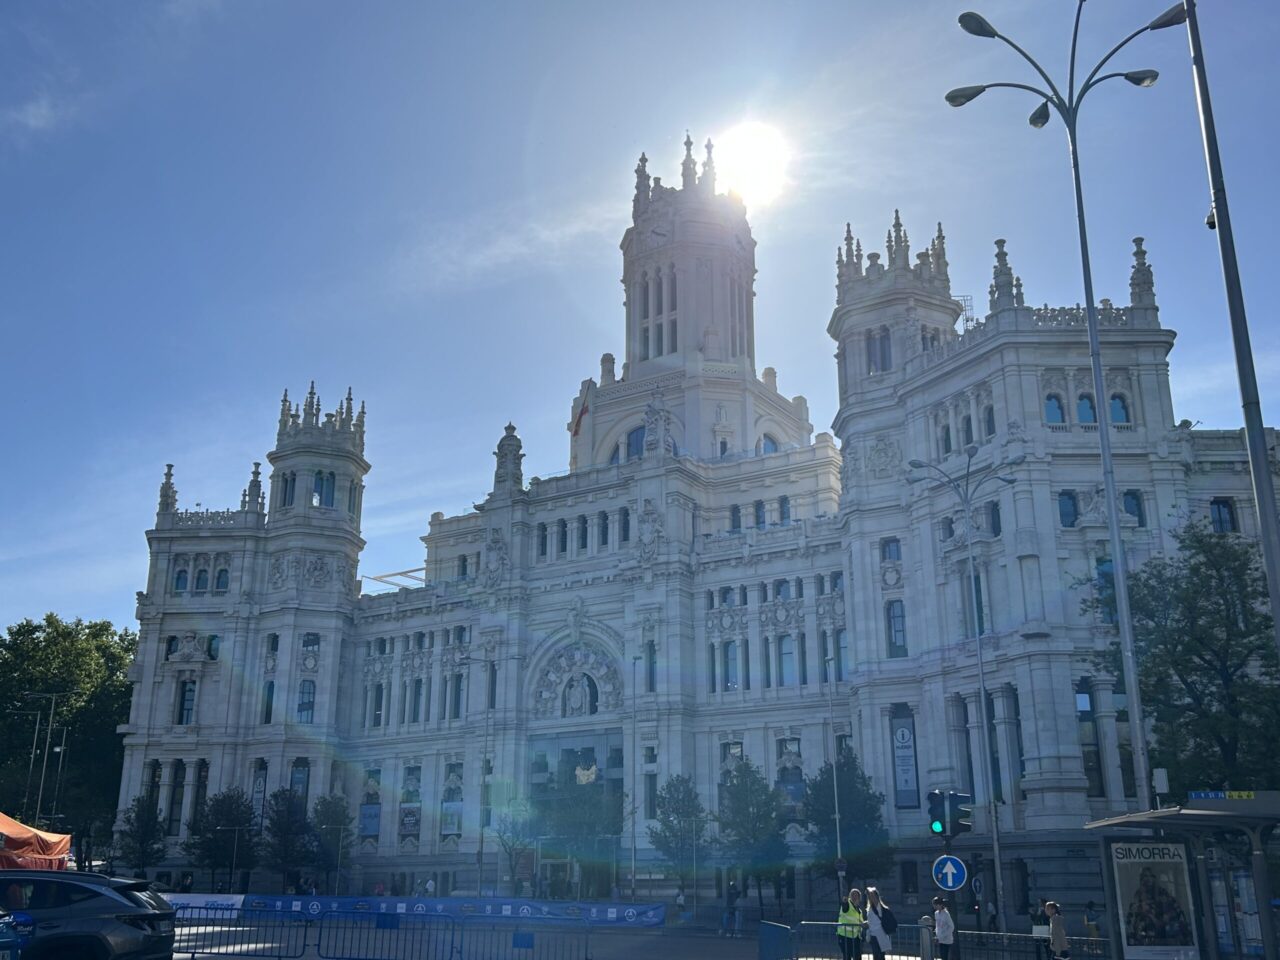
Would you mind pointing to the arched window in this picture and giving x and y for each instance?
(317, 489)
(307, 701)
(1133, 506)
(1119, 409)
(671, 273)
(730, 669)
(759, 514)
(288, 483)
(989, 420)
(222, 579)
(946, 438)
(635, 444)
(542, 539)
(624, 524)
(562, 537)
(268, 700)
(657, 296)
(180, 580)
(966, 429)
(786, 661)
(735, 517)
(176, 792)
(895, 622)
(1068, 508)
(1086, 412)
(202, 579)
(1053, 412)
(582, 532)
(784, 509)
(769, 444)
(602, 525)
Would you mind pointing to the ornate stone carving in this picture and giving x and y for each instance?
(508, 472)
(885, 457)
(582, 665)
(891, 575)
(1014, 433)
(319, 571)
(657, 427)
(651, 528)
(850, 465)
(188, 649)
(496, 561)
(310, 662)
(284, 570)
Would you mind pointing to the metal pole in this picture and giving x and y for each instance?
(635, 809)
(57, 790)
(984, 747)
(1119, 563)
(31, 765)
(484, 782)
(235, 849)
(44, 761)
(830, 663)
(1264, 494)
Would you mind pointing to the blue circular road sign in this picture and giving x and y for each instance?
(949, 872)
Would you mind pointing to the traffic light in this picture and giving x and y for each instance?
(937, 813)
(959, 813)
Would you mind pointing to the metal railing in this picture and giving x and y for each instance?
(345, 935)
(1021, 946)
(817, 940)
(216, 931)
(523, 938)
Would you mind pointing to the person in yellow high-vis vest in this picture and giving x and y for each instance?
(851, 920)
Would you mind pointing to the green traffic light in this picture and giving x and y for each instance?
(936, 826)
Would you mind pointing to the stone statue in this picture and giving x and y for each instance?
(575, 696)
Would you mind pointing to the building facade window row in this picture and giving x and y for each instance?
(582, 536)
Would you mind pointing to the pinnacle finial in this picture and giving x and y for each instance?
(1002, 295)
(168, 492)
(688, 144)
(1142, 285)
(689, 167)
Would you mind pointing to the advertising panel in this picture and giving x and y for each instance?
(1153, 887)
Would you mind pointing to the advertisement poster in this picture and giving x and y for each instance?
(410, 820)
(1157, 920)
(451, 818)
(906, 788)
(370, 814)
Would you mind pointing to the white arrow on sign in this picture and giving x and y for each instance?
(949, 871)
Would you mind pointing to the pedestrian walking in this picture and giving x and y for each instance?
(944, 928)
(740, 907)
(730, 910)
(1058, 946)
(1040, 928)
(1091, 928)
(430, 888)
(881, 923)
(852, 923)
(992, 925)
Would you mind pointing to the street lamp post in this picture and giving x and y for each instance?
(635, 786)
(337, 880)
(44, 761)
(235, 850)
(31, 763)
(1264, 494)
(966, 490)
(830, 662)
(1068, 108)
(61, 750)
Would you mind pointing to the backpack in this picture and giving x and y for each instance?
(888, 921)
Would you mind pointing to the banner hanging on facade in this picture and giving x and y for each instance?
(906, 788)
(1153, 889)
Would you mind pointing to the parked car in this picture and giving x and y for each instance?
(86, 916)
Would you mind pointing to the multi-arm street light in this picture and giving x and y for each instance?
(967, 489)
(1068, 108)
(830, 662)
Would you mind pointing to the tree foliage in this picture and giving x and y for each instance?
(221, 835)
(1206, 661)
(288, 841)
(585, 823)
(864, 842)
(751, 822)
(514, 830)
(141, 839)
(86, 664)
(679, 832)
(331, 820)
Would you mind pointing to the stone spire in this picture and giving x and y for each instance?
(508, 476)
(848, 243)
(898, 254)
(689, 168)
(1002, 296)
(311, 408)
(708, 181)
(286, 412)
(168, 492)
(252, 499)
(938, 255)
(641, 199)
(348, 412)
(1142, 284)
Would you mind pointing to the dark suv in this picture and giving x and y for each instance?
(62, 915)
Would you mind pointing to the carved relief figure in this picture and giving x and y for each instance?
(496, 560)
(650, 532)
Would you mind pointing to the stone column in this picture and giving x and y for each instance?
(958, 743)
(1104, 717)
(1007, 747)
(977, 742)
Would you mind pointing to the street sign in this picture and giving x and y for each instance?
(842, 867)
(977, 886)
(949, 872)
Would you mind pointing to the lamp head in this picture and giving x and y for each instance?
(977, 24)
(962, 95)
(1009, 480)
(1040, 116)
(916, 464)
(1170, 18)
(971, 451)
(1142, 78)
(1014, 461)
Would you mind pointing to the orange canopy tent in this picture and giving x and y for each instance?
(26, 848)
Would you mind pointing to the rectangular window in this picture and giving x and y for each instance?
(786, 661)
(711, 667)
(993, 518)
(492, 698)
(651, 796)
(842, 655)
(675, 332)
(1089, 747)
(910, 877)
(890, 550)
(729, 654)
(759, 514)
(624, 525)
(1222, 514)
(746, 664)
(582, 533)
(377, 704)
(562, 537)
(1134, 507)
(1068, 508)
(268, 698)
(542, 539)
(802, 654)
(176, 794)
(837, 582)
(602, 524)
(186, 702)
(895, 616)
(307, 701)
(980, 627)
(657, 338)
(766, 668)
(1106, 587)
(311, 641)
(650, 667)
(455, 698)
(644, 343)
(300, 778)
(417, 700)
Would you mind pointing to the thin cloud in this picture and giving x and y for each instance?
(462, 254)
(41, 114)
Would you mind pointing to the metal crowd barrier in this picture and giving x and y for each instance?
(216, 931)
(384, 936)
(523, 938)
(1021, 946)
(816, 940)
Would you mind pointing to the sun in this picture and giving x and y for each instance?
(752, 159)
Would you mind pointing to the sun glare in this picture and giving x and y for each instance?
(752, 159)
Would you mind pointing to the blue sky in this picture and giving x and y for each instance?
(205, 202)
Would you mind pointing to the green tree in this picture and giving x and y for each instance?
(331, 820)
(141, 838)
(86, 664)
(1206, 661)
(680, 831)
(288, 841)
(514, 830)
(864, 842)
(751, 822)
(221, 836)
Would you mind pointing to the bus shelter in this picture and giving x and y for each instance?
(1129, 850)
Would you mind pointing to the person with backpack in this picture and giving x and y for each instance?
(881, 923)
(852, 923)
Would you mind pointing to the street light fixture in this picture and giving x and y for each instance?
(967, 489)
(337, 870)
(31, 763)
(635, 786)
(235, 850)
(1068, 108)
(830, 661)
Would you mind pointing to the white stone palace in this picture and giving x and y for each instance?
(708, 581)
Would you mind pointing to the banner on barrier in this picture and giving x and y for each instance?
(619, 914)
(204, 901)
